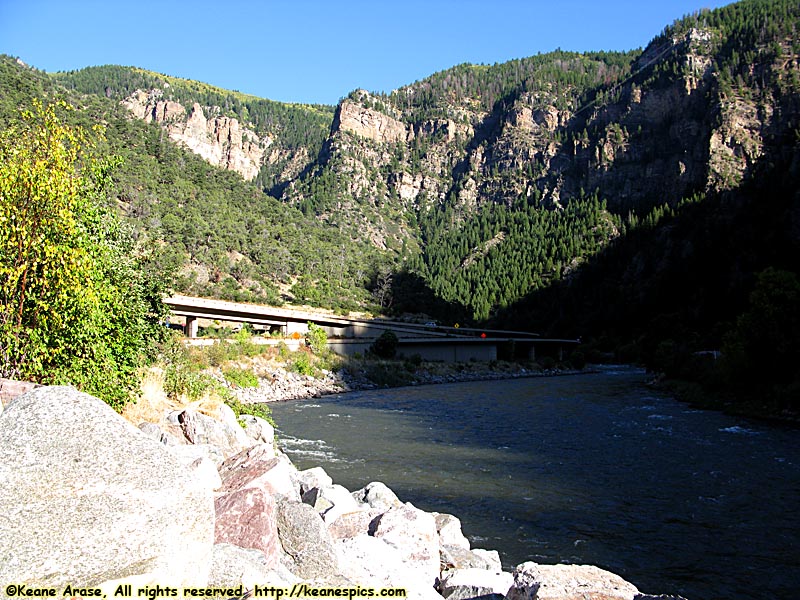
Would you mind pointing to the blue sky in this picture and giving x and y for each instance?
(318, 51)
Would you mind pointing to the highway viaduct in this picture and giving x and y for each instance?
(348, 336)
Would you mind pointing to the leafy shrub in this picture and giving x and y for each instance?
(244, 343)
(180, 380)
(317, 339)
(547, 363)
(387, 374)
(217, 353)
(577, 359)
(301, 363)
(385, 346)
(260, 410)
(241, 377)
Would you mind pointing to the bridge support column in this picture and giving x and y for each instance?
(190, 329)
(532, 353)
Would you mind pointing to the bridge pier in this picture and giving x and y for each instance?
(190, 329)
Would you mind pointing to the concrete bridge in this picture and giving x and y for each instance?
(348, 336)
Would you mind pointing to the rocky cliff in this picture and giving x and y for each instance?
(678, 119)
(220, 140)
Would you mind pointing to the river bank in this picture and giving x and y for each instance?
(277, 382)
(210, 502)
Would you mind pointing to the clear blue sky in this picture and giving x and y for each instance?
(317, 51)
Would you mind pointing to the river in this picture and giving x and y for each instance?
(590, 469)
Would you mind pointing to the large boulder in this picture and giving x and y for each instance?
(331, 501)
(371, 562)
(88, 498)
(258, 429)
(466, 584)
(352, 524)
(568, 582)
(449, 529)
(413, 532)
(11, 388)
(306, 541)
(259, 467)
(315, 477)
(232, 566)
(247, 518)
(456, 557)
(377, 495)
(224, 433)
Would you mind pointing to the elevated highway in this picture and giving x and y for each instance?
(348, 336)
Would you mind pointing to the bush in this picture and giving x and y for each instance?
(244, 343)
(217, 353)
(241, 377)
(385, 346)
(317, 339)
(301, 363)
(260, 410)
(577, 359)
(181, 381)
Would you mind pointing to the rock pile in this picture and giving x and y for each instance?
(193, 501)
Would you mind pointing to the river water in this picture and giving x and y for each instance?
(591, 469)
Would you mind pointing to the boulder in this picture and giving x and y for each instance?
(315, 477)
(229, 437)
(331, 501)
(202, 461)
(371, 562)
(191, 453)
(258, 467)
(232, 566)
(87, 497)
(463, 584)
(247, 518)
(449, 529)
(168, 434)
(11, 388)
(305, 539)
(377, 495)
(492, 558)
(354, 523)
(456, 557)
(257, 429)
(568, 582)
(413, 532)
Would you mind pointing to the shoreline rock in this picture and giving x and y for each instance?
(284, 386)
(121, 504)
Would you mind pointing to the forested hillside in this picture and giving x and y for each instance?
(291, 128)
(219, 235)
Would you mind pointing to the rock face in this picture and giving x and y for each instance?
(368, 123)
(88, 497)
(219, 140)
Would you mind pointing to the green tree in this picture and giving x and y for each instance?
(75, 307)
(316, 339)
(763, 345)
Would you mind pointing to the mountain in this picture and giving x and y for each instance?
(218, 234)
(630, 197)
